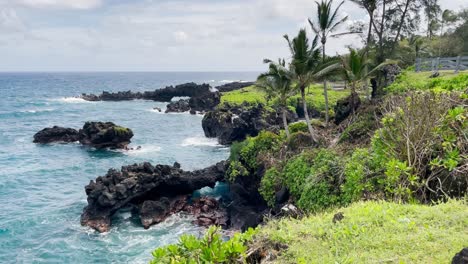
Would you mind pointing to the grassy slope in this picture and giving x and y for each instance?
(447, 80)
(315, 96)
(375, 232)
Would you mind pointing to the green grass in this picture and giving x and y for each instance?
(447, 80)
(314, 97)
(249, 94)
(375, 232)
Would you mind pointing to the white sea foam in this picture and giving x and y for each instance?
(73, 100)
(157, 111)
(200, 141)
(231, 81)
(37, 110)
(143, 150)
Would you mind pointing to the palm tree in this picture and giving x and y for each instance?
(328, 22)
(306, 67)
(355, 66)
(370, 6)
(417, 44)
(277, 82)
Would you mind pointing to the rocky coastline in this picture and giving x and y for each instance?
(155, 192)
(99, 135)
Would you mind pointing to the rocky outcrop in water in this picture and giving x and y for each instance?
(56, 134)
(228, 87)
(231, 123)
(95, 134)
(178, 106)
(146, 186)
(105, 135)
(205, 102)
(161, 95)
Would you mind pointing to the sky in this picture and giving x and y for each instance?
(157, 35)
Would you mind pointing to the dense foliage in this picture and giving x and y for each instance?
(211, 248)
(245, 155)
(410, 145)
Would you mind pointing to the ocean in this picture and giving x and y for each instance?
(42, 186)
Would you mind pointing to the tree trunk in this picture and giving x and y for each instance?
(353, 95)
(285, 123)
(369, 35)
(306, 115)
(400, 25)
(325, 92)
(380, 54)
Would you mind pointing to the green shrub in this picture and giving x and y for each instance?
(423, 145)
(235, 170)
(254, 146)
(245, 155)
(298, 127)
(270, 184)
(209, 249)
(359, 172)
(360, 130)
(313, 179)
(321, 188)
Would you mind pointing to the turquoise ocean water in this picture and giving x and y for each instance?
(42, 186)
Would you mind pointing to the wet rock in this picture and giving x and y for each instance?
(56, 134)
(161, 95)
(207, 211)
(234, 123)
(140, 183)
(157, 109)
(154, 212)
(94, 134)
(105, 135)
(178, 106)
(205, 102)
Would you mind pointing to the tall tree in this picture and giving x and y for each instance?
(305, 66)
(277, 83)
(355, 66)
(432, 11)
(370, 6)
(327, 23)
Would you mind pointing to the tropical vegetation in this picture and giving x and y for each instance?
(386, 183)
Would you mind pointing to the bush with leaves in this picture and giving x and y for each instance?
(361, 173)
(245, 155)
(271, 182)
(212, 248)
(423, 146)
(313, 179)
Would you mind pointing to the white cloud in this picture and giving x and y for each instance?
(180, 36)
(10, 22)
(65, 4)
(155, 34)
